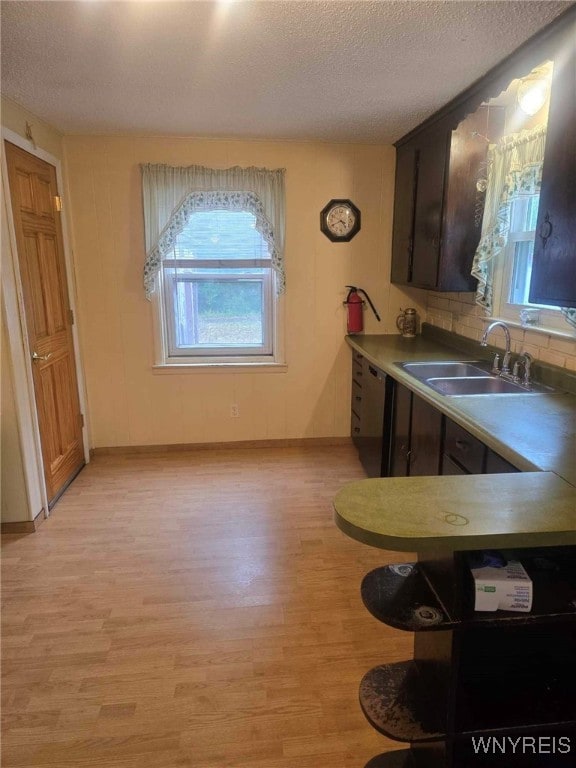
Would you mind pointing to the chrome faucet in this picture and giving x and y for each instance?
(525, 359)
(506, 359)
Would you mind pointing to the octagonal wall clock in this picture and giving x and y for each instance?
(340, 220)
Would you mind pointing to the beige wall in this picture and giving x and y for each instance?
(13, 495)
(129, 403)
(17, 501)
(15, 118)
(457, 312)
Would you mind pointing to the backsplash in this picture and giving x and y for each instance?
(457, 312)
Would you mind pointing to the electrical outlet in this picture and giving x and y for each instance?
(234, 411)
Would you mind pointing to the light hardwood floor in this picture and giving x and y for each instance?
(193, 610)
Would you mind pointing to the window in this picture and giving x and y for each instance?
(514, 270)
(502, 263)
(218, 289)
(214, 263)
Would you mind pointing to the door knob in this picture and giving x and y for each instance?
(36, 356)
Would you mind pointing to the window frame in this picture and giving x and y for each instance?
(550, 318)
(269, 353)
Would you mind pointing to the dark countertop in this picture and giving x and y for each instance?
(535, 432)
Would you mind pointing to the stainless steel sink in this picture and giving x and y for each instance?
(443, 369)
(476, 385)
(484, 385)
(459, 379)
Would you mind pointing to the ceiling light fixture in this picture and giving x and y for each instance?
(533, 93)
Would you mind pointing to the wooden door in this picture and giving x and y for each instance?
(33, 191)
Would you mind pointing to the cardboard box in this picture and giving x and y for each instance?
(507, 589)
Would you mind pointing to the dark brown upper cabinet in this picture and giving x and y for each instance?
(436, 219)
(438, 208)
(554, 261)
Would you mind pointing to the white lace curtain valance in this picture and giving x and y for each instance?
(171, 195)
(514, 169)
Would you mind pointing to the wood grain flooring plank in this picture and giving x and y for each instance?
(192, 610)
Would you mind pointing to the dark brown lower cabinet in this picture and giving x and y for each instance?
(417, 435)
(398, 434)
(486, 690)
(425, 438)
(465, 454)
(424, 442)
(495, 464)
(401, 430)
(367, 414)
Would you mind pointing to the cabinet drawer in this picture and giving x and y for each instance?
(496, 464)
(356, 398)
(357, 370)
(450, 467)
(465, 449)
(355, 426)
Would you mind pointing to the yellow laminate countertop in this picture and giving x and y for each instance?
(462, 512)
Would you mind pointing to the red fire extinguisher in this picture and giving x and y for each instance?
(355, 306)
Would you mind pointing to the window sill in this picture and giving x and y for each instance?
(180, 368)
(554, 332)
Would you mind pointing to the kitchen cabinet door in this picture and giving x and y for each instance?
(372, 426)
(432, 158)
(404, 194)
(401, 413)
(367, 421)
(554, 262)
(416, 435)
(463, 202)
(434, 238)
(425, 438)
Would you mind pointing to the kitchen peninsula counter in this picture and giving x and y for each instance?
(442, 699)
(461, 512)
(535, 432)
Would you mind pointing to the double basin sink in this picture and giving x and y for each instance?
(457, 379)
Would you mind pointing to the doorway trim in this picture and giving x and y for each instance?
(20, 353)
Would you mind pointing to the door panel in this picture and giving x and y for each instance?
(425, 439)
(42, 269)
(401, 431)
(24, 190)
(404, 193)
(428, 210)
(43, 198)
(53, 294)
(37, 315)
(553, 279)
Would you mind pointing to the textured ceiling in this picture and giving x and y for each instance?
(280, 69)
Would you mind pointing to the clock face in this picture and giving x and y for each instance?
(340, 220)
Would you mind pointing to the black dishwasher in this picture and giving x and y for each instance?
(369, 386)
